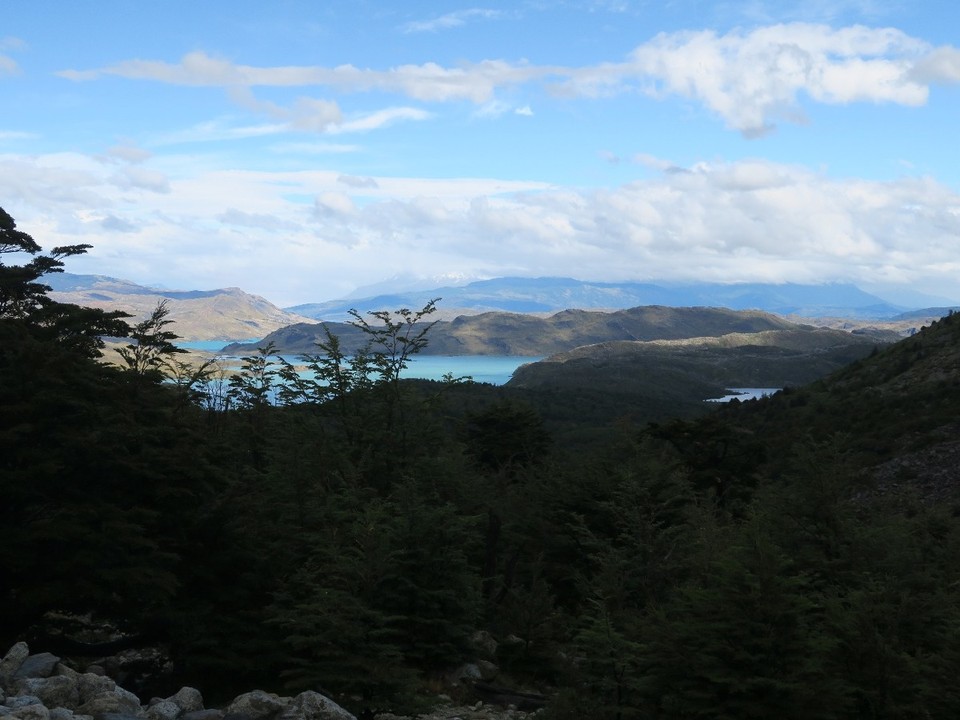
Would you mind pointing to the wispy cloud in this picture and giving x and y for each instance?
(475, 82)
(220, 129)
(379, 119)
(355, 181)
(17, 135)
(314, 148)
(750, 79)
(450, 20)
(9, 66)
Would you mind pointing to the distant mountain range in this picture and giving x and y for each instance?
(226, 314)
(230, 314)
(549, 295)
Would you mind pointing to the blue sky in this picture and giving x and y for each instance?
(302, 150)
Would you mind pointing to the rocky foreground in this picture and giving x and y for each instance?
(43, 687)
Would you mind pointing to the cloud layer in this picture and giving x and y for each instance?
(751, 220)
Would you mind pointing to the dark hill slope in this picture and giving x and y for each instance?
(500, 333)
(691, 370)
(896, 413)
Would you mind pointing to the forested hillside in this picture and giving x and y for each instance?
(352, 532)
(500, 333)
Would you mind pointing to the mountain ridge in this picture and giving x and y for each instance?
(223, 314)
(551, 294)
(501, 333)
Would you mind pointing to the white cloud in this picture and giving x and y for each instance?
(379, 119)
(334, 205)
(306, 113)
(314, 148)
(8, 66)
(475, 82)
(220, 129)
(259, 221)
(17, 135)
(498, 108)
(358, 182)
(127, 152)
(749, 78)
(652, 162)
(450, 20)
(940, 66)
(134, 176)
(113, 223)
(301, 236)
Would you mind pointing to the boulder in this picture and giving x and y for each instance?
(61, 713)
(92, 686)
(30, 712)
(310, 705)
(12, 661)
(68, 672)
(484, 644)
(188, 699)
(465, 673)
(115, 703)
(18, 701)
(488, 670)
(254, 705)
(40, 665)
(164, 710)
(55, 691)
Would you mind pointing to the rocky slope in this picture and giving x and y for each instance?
(225, 314)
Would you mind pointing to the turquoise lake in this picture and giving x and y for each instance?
(493, 369)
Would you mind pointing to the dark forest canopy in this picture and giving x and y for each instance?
(794, 557)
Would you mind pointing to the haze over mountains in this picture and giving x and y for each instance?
(551, 294)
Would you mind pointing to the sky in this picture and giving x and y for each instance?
(306, 151)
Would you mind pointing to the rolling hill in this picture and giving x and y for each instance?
(502, 333)
(225, 314)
